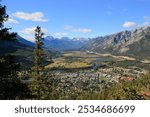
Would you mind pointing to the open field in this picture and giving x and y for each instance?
(62, 63)
(78, 59)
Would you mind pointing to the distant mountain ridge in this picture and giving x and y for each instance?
(64, 43)
(132, 43)
(50, 43)
(24, 41)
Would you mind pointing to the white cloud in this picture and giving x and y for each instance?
(130, 25)
(80, 30)
(60, 34)
(146, 23)
(28, 30)
(84, 30)
(68, 27)
(146, 18)
(12, 21)
(30, 38)
(36, 16)
(32, 30)
(28, 33)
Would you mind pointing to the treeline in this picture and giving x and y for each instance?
(11, 87)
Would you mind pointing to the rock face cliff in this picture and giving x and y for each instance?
(132, 43)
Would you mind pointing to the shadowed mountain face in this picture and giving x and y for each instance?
(64, 43)
(132, 43)
(11, 46)
(22, 48)
(24, 41)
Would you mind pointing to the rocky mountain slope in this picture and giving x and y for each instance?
(21, 48)
(131, 43)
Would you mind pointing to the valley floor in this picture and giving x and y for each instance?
(75, 73)
(87, 71)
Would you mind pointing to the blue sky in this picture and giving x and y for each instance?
(76, 18)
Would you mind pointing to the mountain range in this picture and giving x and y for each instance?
(131, 43)
(23, 48)
(64, 43)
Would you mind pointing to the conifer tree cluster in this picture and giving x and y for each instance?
(11, 87)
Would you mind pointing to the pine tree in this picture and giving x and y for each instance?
(40, 85)
(11, 86)
(4, 32)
